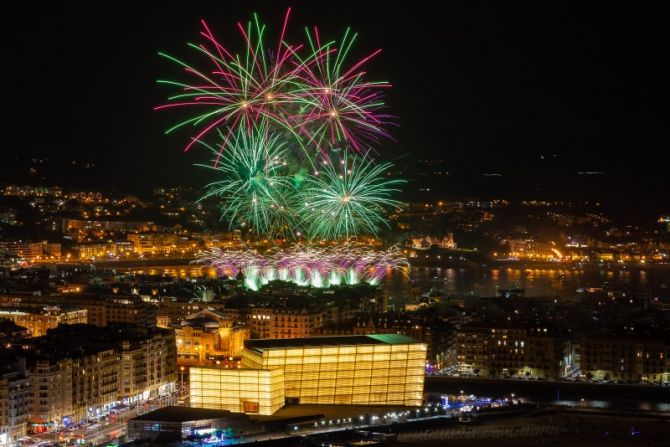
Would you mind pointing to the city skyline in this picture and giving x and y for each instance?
(349, 223)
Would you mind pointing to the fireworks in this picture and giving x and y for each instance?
(255, 191)
(236, 91)
(341, 107)
(307, 266)
(290, 129)
(346, 197)
(306, 91)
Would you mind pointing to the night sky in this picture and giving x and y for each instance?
(536, 92)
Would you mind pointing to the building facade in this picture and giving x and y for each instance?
(240, 390)
(101, 310)
(153, 243)
(207, 337)
(148, 366)
(15, 403)
(381, 369)
(285, 323)
(625, 358)
(504, 350)
(38, 321)
(435, 333)
(84, 372)
(52, 391)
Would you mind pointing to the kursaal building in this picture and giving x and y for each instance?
(385, 369)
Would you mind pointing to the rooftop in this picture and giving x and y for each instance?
(260, 345)
(183, 414)
(79, 340)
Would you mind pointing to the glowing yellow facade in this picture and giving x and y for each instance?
(380, 369)
(243, 390)
(39, 322)
(359, 374)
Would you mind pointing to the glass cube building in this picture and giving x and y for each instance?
(384, 369)
(241, 390)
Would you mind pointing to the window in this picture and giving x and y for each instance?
(250, 407)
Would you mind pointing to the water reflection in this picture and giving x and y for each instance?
(182, 272)
(562, 282)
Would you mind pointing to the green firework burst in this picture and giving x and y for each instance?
(256, 190)
(347, 197)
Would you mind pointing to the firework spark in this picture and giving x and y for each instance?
(307, 265)
(285, 111)
(256, 190)
(340, 107)
(307, 91)
(235, 91)
(347, 198)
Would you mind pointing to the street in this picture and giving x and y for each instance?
(106, 429)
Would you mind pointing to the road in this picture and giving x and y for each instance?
(102, 431)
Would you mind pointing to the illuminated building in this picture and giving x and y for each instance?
(604, 256)
(82, 371)
(14, 401)
(195, 344)
(429, 330)
(153, 243)
(285, 322)
(207, 336)
(626, 357)
(508, 350)
(241, 390)
(148, 366)
(52, 249)
(426, 242)
(384, 369)
(286, 310)
(22, 249)
(101, 310)
(532, 249)
(31, 250)
(32, 191)
(228, 239)
(52, 395)
(39, 321)
(73, 226)
(104, 310)
(104, 250)
(172, 312)
(95, 382)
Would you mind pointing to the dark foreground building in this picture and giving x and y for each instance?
(177, 423)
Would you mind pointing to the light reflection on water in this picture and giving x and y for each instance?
(182, 272)
(562, 282)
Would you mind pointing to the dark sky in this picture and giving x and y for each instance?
(535, 91)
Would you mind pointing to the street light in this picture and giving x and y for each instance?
(181, 387)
